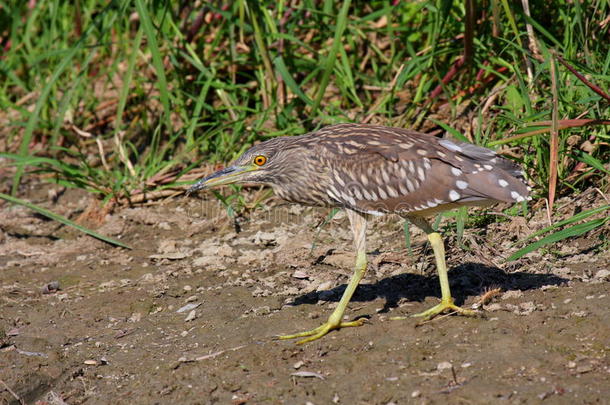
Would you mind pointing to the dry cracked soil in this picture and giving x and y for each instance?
(190, 314)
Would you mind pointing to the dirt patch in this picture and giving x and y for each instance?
(190, 314)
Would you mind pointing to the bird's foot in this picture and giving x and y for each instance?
(446, 305)
(322, 330)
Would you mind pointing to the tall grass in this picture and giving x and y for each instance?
(126, 97)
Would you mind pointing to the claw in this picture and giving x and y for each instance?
(322, 330)
(445, 305)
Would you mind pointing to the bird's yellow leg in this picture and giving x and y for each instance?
(335, 319)
(446, 299)
(358, 222)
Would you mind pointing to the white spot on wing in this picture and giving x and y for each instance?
(410, 185)
(456, 171)
(385, 176)
(403, 190)
(503, 183)
(461, 184)
(454, 195)
(382, 193)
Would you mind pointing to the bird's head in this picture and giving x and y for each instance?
(262, 163)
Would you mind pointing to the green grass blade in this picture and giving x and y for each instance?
(575, 230)
(157, 60)
(454, 132)
(407, 232)
(332, 55)
(591, 161)
(61, 219)
(33, 120)
(292, 85)
(575, 218)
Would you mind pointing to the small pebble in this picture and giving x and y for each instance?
(298, 365)
(416, 394)
(51, 287)
(444, 366)
(191, 316)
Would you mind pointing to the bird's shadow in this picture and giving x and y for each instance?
(466, 280)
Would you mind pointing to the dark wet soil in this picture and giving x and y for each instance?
(189, 315)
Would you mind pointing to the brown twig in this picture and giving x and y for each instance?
(17, 397)
(580, 77)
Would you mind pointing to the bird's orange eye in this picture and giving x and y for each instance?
(260, 160)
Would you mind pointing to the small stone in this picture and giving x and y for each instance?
(262, 311)
(324, 286)
(300, 274)
(188, 307)
(579, 314)
(191, 316)
(225, 251)
(298, 365)
(445, 365)
(567, 301)
(51, 287)
(135, 317)
(602, 275)
(187, 288)
(493, 307)
(512, 294)
(571, 364)
(264, 238)
(91, 362)
(466, 365)
(416, 394)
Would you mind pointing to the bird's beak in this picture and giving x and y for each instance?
(228, 175)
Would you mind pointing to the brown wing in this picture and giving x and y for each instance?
(380, 169)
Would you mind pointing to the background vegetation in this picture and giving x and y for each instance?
(125, 98)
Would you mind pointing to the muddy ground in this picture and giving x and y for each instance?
(189, 315)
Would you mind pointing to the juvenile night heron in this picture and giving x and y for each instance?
(374, 170)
